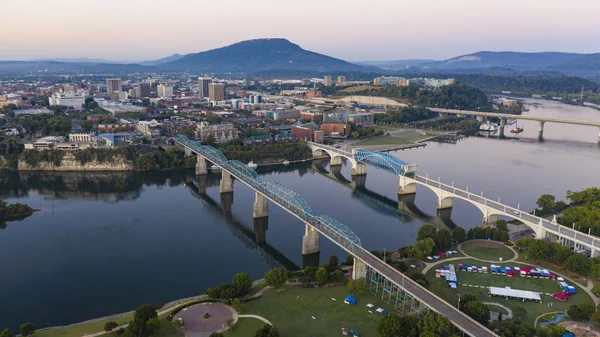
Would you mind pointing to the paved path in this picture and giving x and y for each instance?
(510, 313)
(429, 265)
(548, 313)
(257, 317)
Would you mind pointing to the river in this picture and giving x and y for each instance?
(103, 243)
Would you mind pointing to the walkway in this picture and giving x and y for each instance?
(510, 313)
(257, 317)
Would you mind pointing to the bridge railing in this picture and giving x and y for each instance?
(548, 225)
(332, 149)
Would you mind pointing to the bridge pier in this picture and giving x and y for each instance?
(260, 208)
(187, 151)
(201, 166)
(541, 132)
(260, 229)
(444, 202)
(489, 219)
(406, 186)
(358, 169)
(501, 128)
(226, 185)
(226, 203)
(310, 241)
(359, 269)
(335, 161)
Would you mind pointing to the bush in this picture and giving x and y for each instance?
(183, 306)
(110, 326)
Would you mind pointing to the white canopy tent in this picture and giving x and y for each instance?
(520, 294)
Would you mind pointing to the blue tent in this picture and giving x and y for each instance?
(350, 300)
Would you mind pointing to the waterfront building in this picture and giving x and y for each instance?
(363, 118)
(308, 132)
(81, 137)
(149, 128)
(222, 133)
(116, 139)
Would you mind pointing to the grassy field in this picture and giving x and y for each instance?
(78, 330)
(498, 309)
(358, 88)
(534, 309)
(487, 253)
(291, 310)
(245, 327)
(385, 140)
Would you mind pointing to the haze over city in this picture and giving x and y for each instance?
(352, 30)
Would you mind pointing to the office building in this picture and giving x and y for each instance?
(308, 132)
(142, 90)
(341, 79)
(328, 81)
(365, 118)
(216, 92)
(203, 83)
(68, 89)
(113, 84)
(72, 100)
(164, 91)
(118, 96)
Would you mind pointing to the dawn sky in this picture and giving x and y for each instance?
(353, 30)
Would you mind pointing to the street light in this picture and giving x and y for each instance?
(458, 306)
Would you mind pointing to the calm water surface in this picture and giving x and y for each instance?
(105, 243)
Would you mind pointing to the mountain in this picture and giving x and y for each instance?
(395, 65)
(171, 58)
(77, 60)
(583, 65)
(258, 55)
(504, 59)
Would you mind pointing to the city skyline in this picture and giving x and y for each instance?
(355, 31)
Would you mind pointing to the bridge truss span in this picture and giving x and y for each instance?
(384, 161)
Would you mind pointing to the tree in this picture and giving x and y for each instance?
(322, 276)
(576, 314)
(110, 326)
(237, 305)
(242, 283)
(562, 253)
(546, 203)
(389, 326)
(421, 248)
(586, 309)
(153, 326)
(332, 264)
(436, 324)
(577, 263)
(501, 225)
(143, 314)
(539, 249)
(349, 259)
(519, 314)
(551, 331)
(27, 329)
(275, 278)
(426, 231)
(358, 286)
(459, 235)
(338, 276)
(267, 331)
(7, 333)
(477, 311)
(465, 299)
(443, 239)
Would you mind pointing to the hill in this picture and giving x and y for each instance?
(258, 55)
(167, 59)
(506, 59)
(396, 64)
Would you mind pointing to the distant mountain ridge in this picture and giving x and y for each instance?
(258, 55)
(509, 59)
(167, 59)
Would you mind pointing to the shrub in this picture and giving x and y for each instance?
(110, 326)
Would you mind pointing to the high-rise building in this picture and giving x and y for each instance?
(328, 81)
(164, 91)
(203, 83)
(341, 79)
(216, 92)
(142, 90)
(68, 89)
(112, 85)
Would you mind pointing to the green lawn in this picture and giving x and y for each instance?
(385, 140)
(78, 330)
(291, 310)
(498, 309)
(245, 327)
(487, 253)
(534, 309)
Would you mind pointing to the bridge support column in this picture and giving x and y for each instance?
(310, 241)
(540, 233)
(201, 166)
(406, 186)
(541, 132)
(335, 161)
(260, 209)
(595, 252)
(187, 151)
(226, 203)
(444, 202)
(358, 169)
(359, 181)
(501, 128)
(226, 182)
(489, 219)
(359, 269)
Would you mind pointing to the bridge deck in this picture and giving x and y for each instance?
(512, 116)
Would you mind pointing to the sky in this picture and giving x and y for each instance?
(353, 30)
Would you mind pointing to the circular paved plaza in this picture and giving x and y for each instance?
(195, 323)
